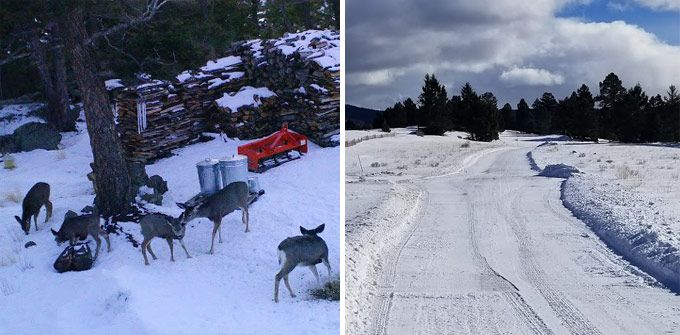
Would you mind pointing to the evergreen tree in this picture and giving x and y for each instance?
(544, 109)
(610, 98)
(487, 119)
(508, 117)
(524, 117)
(411, 110)
(586, 121)
(432, 102)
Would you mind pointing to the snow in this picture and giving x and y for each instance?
(445, 235)
(221, 63)
(113, 84)
(246, 96)
(628, 196)
(228, 292)
(13, 116)
(326, 53)
(216, 82)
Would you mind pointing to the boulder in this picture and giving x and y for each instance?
(36, 135)
(157, 183)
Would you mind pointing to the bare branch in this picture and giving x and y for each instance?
(152, 8)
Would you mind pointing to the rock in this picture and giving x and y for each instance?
(7, 144)
(36, 135)
(29, 244)
(157, 183)
(138, 174)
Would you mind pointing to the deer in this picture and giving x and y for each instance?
(216, 206)
(163, 226)
(77, 227)
(36, 197)
(307, 250)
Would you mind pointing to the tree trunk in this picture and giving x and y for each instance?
(112, 181)
(336, 13)
(53, 76)
(254, 9)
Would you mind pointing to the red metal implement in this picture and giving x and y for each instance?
(273, 147)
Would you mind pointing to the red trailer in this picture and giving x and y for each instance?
(274, 149)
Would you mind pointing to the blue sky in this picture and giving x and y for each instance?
(664, 24)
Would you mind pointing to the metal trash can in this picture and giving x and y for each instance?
(208, 176)
(234, 168)
(253, 185)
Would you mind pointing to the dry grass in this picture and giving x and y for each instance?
(13, 196)
(625, 172)
(10, 163)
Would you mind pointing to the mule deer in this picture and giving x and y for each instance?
(77, 227)
(306, 250)
(163, 226)
(36, 197)
(218, 205)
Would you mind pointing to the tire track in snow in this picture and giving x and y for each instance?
(571, 317)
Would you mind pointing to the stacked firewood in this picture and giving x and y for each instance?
(303, 69)
(248, 93)
(153, 120)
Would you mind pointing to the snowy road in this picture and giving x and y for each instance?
(492, 250)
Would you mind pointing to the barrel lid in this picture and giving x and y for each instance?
(207, 162)
(233, 158)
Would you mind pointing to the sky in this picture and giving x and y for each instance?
(513, 48)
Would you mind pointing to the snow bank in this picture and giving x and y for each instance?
(558, 171)
(14, 116)
(631, 225)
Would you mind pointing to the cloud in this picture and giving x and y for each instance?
(531, 77)
(391, 44)
(672, 5)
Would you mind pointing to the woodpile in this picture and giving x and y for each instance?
(248, 93)
(153, 120)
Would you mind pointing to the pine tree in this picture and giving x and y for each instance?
(610, 98)
(411, 110)
(525, 121)
(508, 117)
(432, 102)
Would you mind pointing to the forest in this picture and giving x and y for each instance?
(615, 113)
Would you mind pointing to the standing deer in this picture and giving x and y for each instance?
(36, 197)
(216, 206)
(306, 250)
(163, 226)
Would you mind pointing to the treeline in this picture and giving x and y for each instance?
(616, 113)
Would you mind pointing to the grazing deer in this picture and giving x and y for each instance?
(306, 250)
(77, 227)
(216, 206)
(163, 226)
(36, 197)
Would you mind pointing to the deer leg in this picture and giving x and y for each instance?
(316, 274)
(145, 243)
(35, 220)
(328, 266)
(244, 217)
(48, 207)
(185, 248)
(148, 247)
(219, 234)
(99, 244)
(172, 252)
(285, 281)
(106, 238)
(216, 227)
(283, 273)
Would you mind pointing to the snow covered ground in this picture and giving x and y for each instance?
(628, 194)
(13, 116)
(230, 292)
(448, 236)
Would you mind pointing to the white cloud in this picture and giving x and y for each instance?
(660, 4)
(530, 76)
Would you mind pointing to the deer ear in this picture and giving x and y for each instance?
(18, 219)
(304, 231)
(54, 232)
(181, 205)
(319, 229)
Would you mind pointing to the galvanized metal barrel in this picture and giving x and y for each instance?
(253, 185)
(208, 176)
(234, 168)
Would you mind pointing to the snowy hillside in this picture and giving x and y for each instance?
(230, 292)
